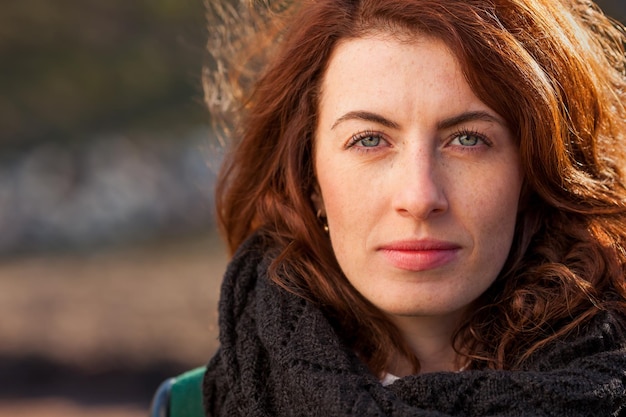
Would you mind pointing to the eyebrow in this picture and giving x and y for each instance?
(444, 124)
(470, 116)
(368, 117)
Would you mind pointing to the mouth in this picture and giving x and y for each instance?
(419, 255)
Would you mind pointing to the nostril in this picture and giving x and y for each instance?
(421, 202)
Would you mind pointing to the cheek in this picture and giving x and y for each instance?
(498, 205)
(353, 207)
(347, 207)
(350, 196)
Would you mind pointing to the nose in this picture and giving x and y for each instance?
(419, 189)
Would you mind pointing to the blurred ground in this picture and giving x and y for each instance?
(94, 334)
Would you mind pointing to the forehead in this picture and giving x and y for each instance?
(382, 72)
(376, 56)
(382, 46)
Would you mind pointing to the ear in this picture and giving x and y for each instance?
(318, 201)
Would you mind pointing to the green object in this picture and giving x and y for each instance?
(180, 396)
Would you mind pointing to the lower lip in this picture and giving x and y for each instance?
(419, 260)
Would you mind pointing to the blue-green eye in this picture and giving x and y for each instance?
(369, 141)
(467, 139)
(366, 139)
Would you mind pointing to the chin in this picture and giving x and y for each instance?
(426, 308)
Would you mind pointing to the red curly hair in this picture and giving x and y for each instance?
(554, 69)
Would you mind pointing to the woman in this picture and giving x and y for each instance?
(427, 209)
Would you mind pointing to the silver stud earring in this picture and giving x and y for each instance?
(323, 220)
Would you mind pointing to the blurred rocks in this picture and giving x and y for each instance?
(109, 190)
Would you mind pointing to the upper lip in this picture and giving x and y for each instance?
(418, 245)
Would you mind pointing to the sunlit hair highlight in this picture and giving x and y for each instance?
(555, 70)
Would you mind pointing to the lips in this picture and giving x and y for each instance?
(419, 255)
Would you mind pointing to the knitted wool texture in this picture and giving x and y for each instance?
(279, 356)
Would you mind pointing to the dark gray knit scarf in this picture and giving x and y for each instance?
(279, 356)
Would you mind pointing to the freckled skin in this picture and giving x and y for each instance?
(404, 151)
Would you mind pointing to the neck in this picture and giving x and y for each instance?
(430, 339)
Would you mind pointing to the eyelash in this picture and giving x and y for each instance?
(470, 133)
(356, 138)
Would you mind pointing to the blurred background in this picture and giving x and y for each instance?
(109, 260)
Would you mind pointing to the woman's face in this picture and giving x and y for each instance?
(418, 178)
